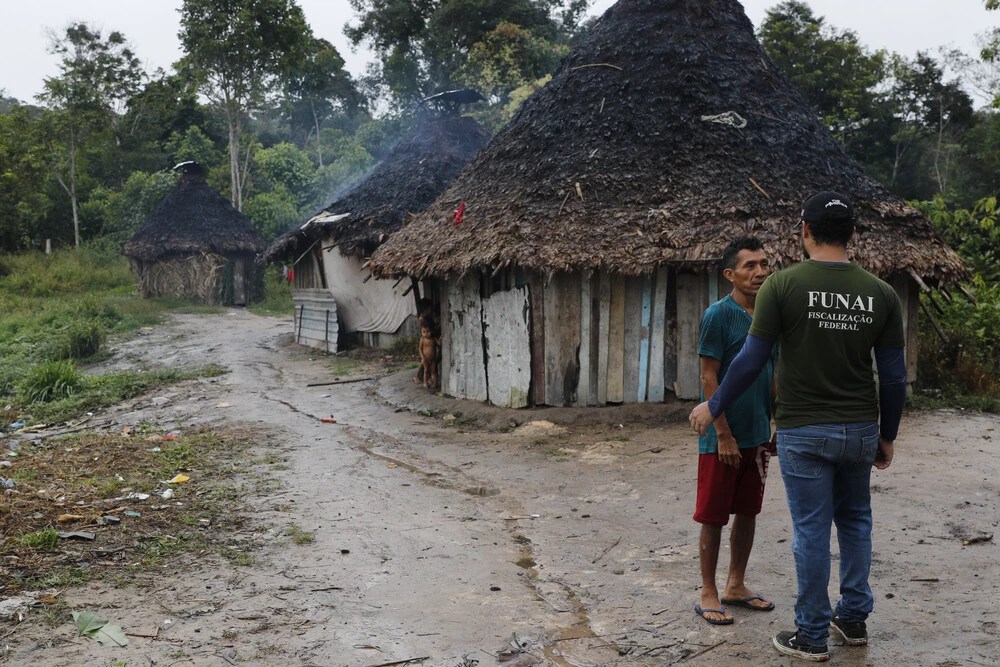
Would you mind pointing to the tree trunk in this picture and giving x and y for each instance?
(319, 144)
(232, 120)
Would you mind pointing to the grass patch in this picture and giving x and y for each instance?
(300, 536)
(45, 539)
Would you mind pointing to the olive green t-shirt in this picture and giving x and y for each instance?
(827, 318)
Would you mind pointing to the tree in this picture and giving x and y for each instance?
(317, 88)
(98, 76)
(930, 111)
(237, 50)
(23, 172)
(507, 58)
(421, 45)
(829, 67)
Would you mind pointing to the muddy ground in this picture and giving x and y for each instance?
(441, 540)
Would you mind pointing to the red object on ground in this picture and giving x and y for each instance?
(328, 420)
(459, 214)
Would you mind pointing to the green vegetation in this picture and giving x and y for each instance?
(959, 346)
(300, 536)
(45, 539)
(56, 314)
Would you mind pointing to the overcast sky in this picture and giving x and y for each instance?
(904, 26)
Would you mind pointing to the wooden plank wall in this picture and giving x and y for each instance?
(576, 339)
(508, 347)
(692, 299)
(466, 370)
(657, 344)
(603, 314)
(616, 340)
(562, 338)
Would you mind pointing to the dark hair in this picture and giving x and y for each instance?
(830, 216)
(832, 232)
(732, 250)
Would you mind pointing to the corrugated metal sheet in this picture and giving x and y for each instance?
(315, 319)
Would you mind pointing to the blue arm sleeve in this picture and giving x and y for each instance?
(745, 367)
(891, 389)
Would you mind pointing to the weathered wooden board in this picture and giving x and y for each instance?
(508, 347)
(655, 392)
(691, 303)
(670, 334)
(536, 286)
(562, 339)
(616, 341)
(583, 386)
(644, 329)
(446, 337)
(633, 335)
(595, 340)
(603, 329)
(466, 371)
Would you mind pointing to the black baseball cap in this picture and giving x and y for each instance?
(828, 206)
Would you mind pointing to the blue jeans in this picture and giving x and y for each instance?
(827, 472)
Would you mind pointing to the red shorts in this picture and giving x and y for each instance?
(725, 490)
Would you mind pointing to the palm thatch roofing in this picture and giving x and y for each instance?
(410, 177)
(194, 219)
(664, 133)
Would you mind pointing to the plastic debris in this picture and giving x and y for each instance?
(6, 483)
(168, 494)
(132, 513)
(328, 420)
(178, 479)
(172, 435)
(77, 535)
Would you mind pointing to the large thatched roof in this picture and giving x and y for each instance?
(410, 177)
(193, 219)
(665, 132)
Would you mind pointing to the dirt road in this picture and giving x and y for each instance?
(574, 543)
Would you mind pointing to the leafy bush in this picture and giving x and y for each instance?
(49, 381)
(81, 339)
(968, 360)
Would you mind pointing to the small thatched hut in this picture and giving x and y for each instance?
(595, 219)
(332, 288)
(195, 245)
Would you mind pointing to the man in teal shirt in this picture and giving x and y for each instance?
(733, 453)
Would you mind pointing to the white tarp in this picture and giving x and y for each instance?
(373, 306)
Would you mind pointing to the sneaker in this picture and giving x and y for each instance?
(854, 632)
(788, 643)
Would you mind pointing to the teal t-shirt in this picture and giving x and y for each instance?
(724, 327)
(827, 317)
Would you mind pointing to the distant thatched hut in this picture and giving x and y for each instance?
(197, 246)
(594, 221)
(332, 289)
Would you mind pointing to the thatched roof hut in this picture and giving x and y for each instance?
(593, 222)
(664, 130)
(332, 289)
(196, 245)
(410, 177)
